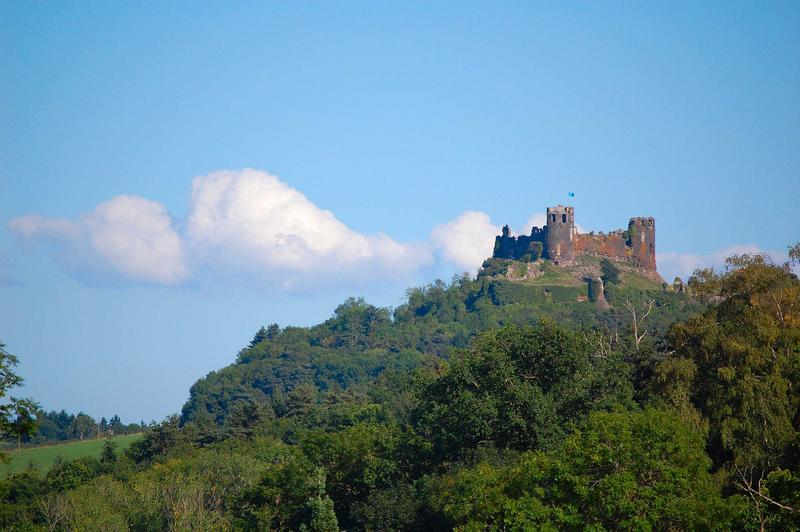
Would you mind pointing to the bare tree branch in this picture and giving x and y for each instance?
(757, 493)
(638, 323)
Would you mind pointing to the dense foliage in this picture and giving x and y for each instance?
(610, 272)
(519, 388)
(482, 404)
(362, 341)
(736, 367)
(621, 470)
(16, 415)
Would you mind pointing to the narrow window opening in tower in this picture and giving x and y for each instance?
(563, 218)
(554, 217)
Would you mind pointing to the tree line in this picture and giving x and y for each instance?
(61, 426)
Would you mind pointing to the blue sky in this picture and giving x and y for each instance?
(386, 142)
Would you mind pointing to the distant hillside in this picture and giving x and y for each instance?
(360, 341)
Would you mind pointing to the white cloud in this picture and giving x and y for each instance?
(130, 236)
(537, 220)
(671, 265)
(240, 222)
(251, 220)
(467, 240)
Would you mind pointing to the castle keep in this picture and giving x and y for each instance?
(560, 242)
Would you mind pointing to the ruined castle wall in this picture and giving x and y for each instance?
(605, 245)
(504, 247)
(558, 241)
(517, 247)
(642, 241)
(532, 245)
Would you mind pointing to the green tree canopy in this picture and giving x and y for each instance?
(736, 371)
(517, 387)
(17, 416)
(622, 471)
(610, 273)
(745, 358)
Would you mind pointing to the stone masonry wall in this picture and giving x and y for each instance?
(610, 245)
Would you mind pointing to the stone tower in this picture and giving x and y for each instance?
(642, 241)
(504, 244)
(559, 243)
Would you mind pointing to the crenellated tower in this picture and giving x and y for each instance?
(504, 244)
(559, 245)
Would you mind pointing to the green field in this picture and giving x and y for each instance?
(44, 456)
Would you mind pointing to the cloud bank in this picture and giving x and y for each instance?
(244, 222)
(250, 224)
(252, 220)
(128, 236)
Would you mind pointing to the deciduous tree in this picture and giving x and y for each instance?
(17, 416)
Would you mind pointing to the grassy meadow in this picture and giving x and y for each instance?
(43, 456)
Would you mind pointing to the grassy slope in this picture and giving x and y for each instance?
(555, 276)
(573, 275)
(638, 282)
(42, 457)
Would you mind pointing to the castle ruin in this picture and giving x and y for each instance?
(560, 242)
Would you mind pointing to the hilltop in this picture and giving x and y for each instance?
(360, 342)
(578, 273)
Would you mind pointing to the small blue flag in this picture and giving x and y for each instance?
(571, 194)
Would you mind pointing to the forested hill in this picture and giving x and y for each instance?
(360, 341)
